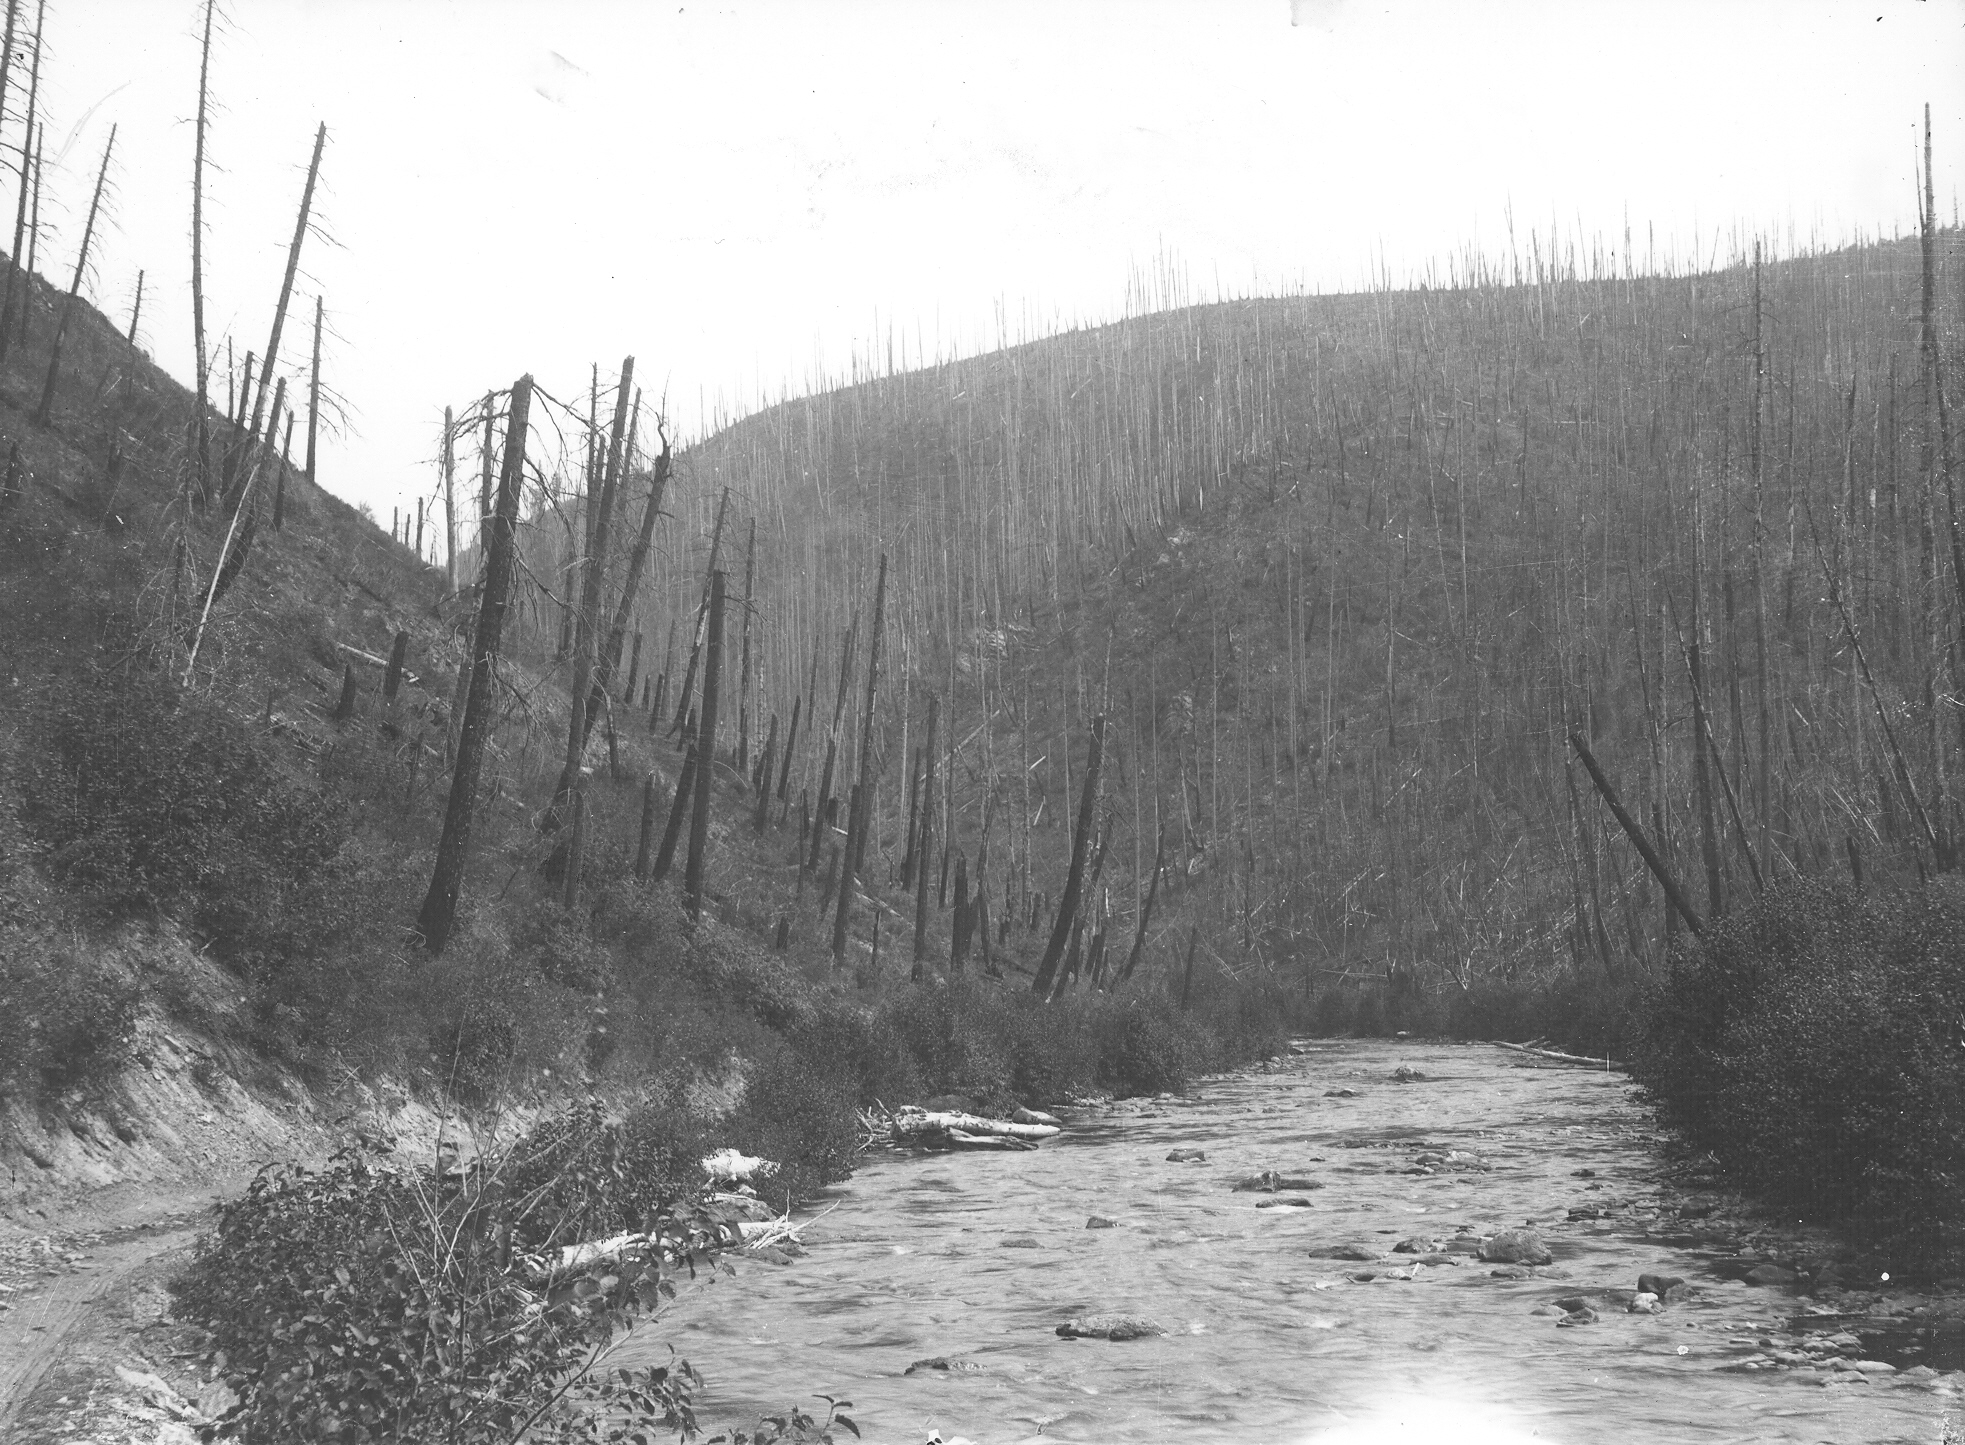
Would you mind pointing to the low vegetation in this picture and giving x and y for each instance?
(1815, 1044)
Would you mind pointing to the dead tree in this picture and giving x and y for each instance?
(1656, 864)
(232, 556)
(266, 362)
(314, 405)
(579, 725)
(1074, 881)
(440, 905)
(201, 419)
(859, 817)
(685, 789)
(44, 413)
(610, 657)
(744, 666)
(925, 842)
(1146, 910)
(699, 816)
(832, 739)
(685, 697)
(28, 150)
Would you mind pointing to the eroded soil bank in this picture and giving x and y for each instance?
(975, 1260)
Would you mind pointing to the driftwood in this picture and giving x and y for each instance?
(966, 1131)
(1561, 1058)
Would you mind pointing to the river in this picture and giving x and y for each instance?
(979, 1257)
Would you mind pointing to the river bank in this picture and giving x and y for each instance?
(976, 1260)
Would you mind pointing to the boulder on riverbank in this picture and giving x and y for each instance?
(1109, 1327)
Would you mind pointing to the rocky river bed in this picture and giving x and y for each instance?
(1344, 1297)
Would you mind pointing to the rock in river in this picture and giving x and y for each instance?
(1344, 1251)
(1419, 1244)
(1662, 1285)
(1188, 1156)
(1516, 1246)
(1099, 1221)
(1271, 1182)
(1109, 1327)
(945, 1364)
(1294, 1201)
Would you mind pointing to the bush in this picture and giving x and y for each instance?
(366, 1303)
(70, 1018)
(1812, 1043)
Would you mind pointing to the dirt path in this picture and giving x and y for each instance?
(86, 1297)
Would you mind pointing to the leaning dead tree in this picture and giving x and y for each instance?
(238, 543)
(200, 419)
(235, 452)
(610, 655)
(1074, 881)
(44, 413)
(440, 905)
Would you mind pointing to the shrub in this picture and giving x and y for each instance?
(366, 1303)
(1812, 1043)
(70, 1016)
(798, 1109)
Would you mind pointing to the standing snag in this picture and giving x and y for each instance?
(453, 848)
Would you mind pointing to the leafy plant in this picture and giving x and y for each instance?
(372, 1302)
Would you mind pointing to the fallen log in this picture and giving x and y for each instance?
(373, 661)
(959, 1139)
(1561, 1058)
(911, 1123)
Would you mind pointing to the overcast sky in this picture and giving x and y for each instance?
(743, 195)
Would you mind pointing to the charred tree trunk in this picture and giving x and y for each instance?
(585, 638)
(233, 456)
(610, 659)
(702, 613)
(1146, 910)
(1047, 970)
(440, 906)
(685, 790)
(744, 667)
(28, 150)
(699, 818)
(832, 739)
(925, 842)
(1635, 833)
(45, 412)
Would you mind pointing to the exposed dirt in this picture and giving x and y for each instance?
(87, 1296)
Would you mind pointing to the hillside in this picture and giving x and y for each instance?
(1344, 571)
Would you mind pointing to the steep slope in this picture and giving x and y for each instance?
(1344, 571)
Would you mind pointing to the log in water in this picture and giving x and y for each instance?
(978, 1259)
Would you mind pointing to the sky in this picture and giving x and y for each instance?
(745, 196)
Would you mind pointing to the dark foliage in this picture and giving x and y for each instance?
(369, 1302)
(1815, 1044)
